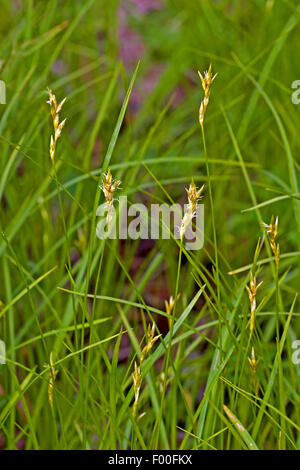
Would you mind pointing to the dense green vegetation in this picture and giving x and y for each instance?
(75, 309)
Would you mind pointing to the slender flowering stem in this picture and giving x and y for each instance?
(272, 231)
(171, 326)
(206, 80)
(137, 376)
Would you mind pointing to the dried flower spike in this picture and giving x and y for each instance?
(252, 290)
(194, 195)
(109, 187)
(206, 81)
(272, 230)
(58, 126)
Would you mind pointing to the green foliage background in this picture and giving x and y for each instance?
(152, 141)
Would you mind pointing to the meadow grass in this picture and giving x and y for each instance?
(127, 344)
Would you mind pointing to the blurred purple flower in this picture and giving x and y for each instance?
(144, 6)
(58, 67)
(145, 86)
(151, 79)
(131, 46)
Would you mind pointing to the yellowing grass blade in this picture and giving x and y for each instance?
(241, 430)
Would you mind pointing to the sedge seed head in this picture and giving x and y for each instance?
(194, 195)
(169, 304)
(206, 80)
(58, 126)
(272, 230)
(253, 286)
(137, 382)
(253, 361)
(272, 227)
(52, 376)
(151, 339)
(252, 291)
(109, 186)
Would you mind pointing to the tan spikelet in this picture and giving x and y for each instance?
(252, 290)
(254, 364)
(109, 186)
(58, 126)
(206, 79)
(194, 195)
(137, 382)
(272, 230)
(137, 376)
(151, 339)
